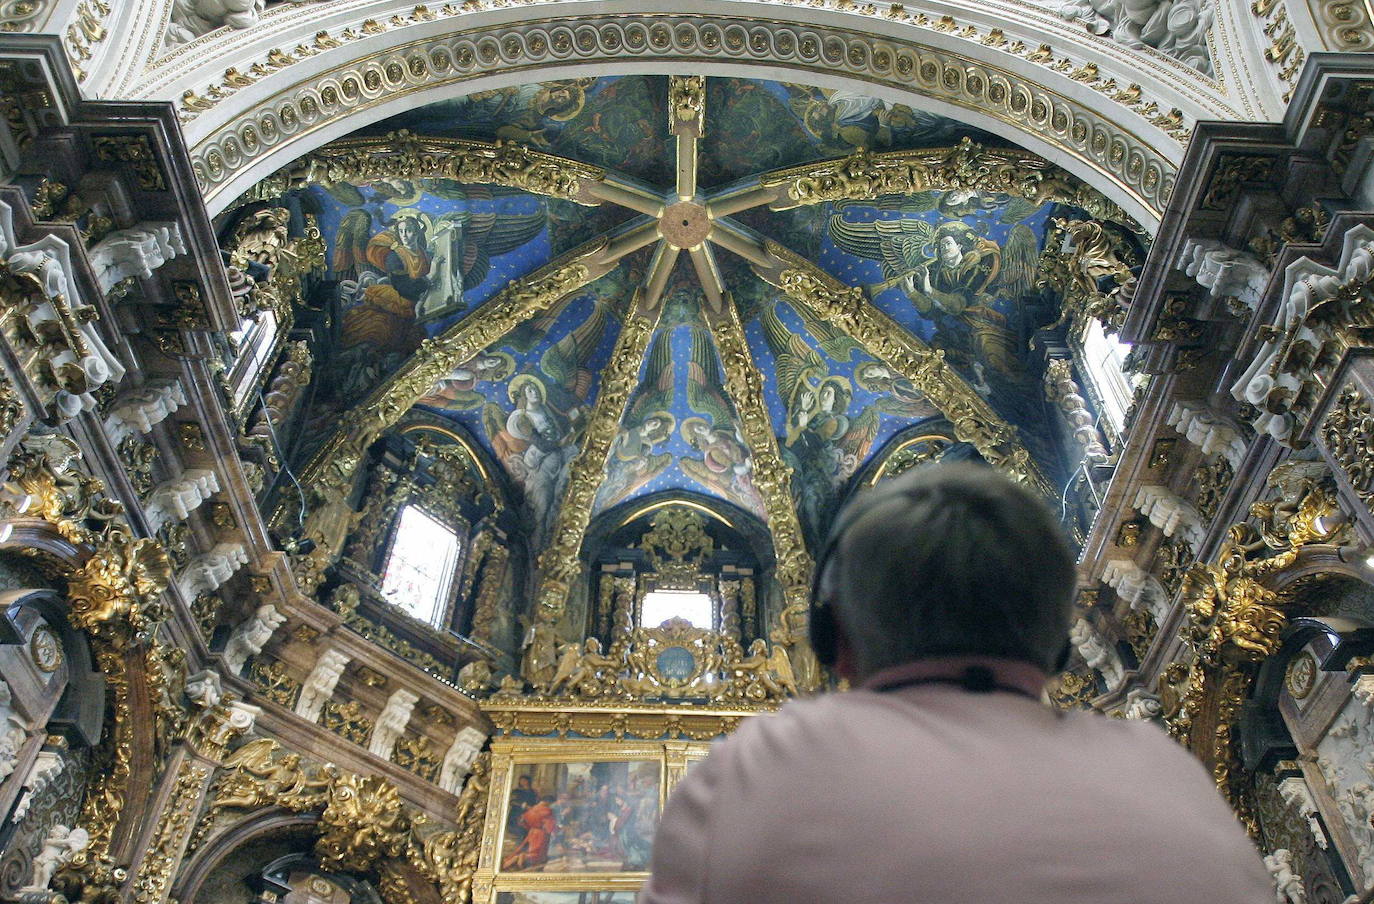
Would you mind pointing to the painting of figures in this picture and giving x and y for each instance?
(583, 817)
(565, 897)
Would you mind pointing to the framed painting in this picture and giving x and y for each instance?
(580, 816)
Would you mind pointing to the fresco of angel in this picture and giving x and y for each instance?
(458, 391)
(538, 438)
(726, 464)
(648, 424)
(899, 397)
(953, 276)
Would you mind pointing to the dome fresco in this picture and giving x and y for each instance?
(410, 258)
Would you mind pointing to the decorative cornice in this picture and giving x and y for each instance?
(226, 159)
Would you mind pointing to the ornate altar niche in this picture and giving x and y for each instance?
(575, 795)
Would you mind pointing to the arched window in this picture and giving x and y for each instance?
(420, 565)
(1104, 358)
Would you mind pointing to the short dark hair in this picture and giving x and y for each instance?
(951, 560)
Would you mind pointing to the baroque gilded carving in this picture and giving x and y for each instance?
(1235, 618)
(967, 166)
(404, 155)
(558, 563)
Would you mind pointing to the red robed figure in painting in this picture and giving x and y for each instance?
(539, 826)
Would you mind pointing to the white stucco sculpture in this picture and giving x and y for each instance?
(251, 636)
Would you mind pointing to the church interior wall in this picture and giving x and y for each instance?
(206, 696)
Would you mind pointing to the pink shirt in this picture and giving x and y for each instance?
(930, 793)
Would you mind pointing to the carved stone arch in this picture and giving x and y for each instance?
(291, 109)
(257, 826)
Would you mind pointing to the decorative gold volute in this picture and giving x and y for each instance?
(362, 824)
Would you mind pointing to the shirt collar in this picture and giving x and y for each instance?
(1011, 673)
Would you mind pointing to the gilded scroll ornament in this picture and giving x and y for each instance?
(362, 824)
(116, 593)
(558, 563)
(1347, 431)
(967, 166)
(404, 155)
(744, 384)
(849, 311)
(687, 102)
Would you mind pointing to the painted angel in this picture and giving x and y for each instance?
(953, 276)
(726, 464)
(458, 390)
(538, 439)
(649, 423)
(899, 397)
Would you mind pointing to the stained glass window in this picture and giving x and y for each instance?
(661, 605)
(420, 566)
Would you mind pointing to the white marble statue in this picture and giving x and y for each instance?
(319, 685)
(61, 845)
(467, 744)
(12, 733)
(251, 636)
(1287, 886)
(392, 722)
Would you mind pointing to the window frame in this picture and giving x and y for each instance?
(443, 603)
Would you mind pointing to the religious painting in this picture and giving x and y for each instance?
(565, 897)
(681, 430)
(406, 259)
(530, 397)
(613, 121)
(581, 817)
(958, 270)
(770, 125)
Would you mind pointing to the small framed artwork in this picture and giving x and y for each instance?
(585, 816)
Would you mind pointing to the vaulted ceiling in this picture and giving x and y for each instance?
(622, 285)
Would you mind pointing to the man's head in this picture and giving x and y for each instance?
(947, 560)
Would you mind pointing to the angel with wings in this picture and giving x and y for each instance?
(726, 464)
(538, 439)
(956, 283)
(648, 424)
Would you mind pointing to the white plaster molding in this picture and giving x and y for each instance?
(1265, 383)
(194, 18)
(467, 744)
(179, 497)
(136, 251)
(1363, 689)
(1142, 705)
(206, 572)
(13, 734)
(392, 722)
(1097, 653)
(47, 766)
(139, 409)
(49, 260)
(1296, 794)
(1176, 28)
(319, 685)
(204, 688)
(251, 635)
(1137, 587)
(1224, 271)
(1208, 430)
(1170, 513)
